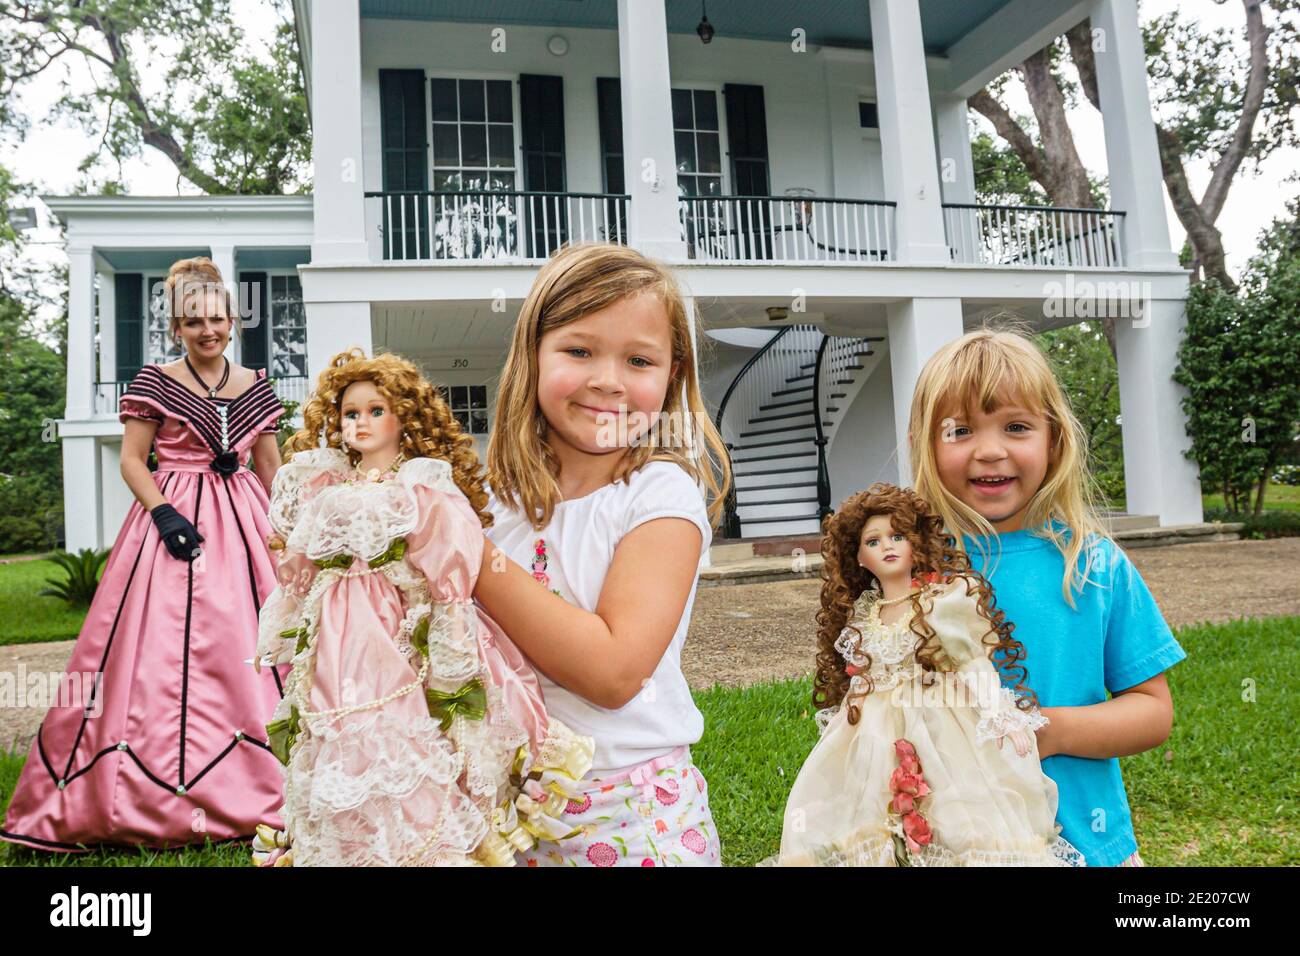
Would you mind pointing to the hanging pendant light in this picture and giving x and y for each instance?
(705, 29)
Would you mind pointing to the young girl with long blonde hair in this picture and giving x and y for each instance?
(600, 462)
(998, 453)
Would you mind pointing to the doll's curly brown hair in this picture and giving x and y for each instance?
(429, 430)
(933, 553)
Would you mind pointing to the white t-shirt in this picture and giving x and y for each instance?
(579, 544)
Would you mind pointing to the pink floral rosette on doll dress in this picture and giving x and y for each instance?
(412, 730)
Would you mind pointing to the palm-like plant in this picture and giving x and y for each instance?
(81, 576)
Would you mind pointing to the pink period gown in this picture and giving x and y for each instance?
(171, 748)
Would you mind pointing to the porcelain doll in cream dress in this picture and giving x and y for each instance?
(926, 757)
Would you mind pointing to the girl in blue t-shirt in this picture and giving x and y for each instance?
(998, 453)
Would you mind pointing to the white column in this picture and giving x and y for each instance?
(917, 329)
(1159, 478)
(82, 497)
(106, 366)
(81, 333)
(337, 182)
(334, 327)
(906, 133)
(956, 168)
(648, 149)
(1132, 158)
(223, 257)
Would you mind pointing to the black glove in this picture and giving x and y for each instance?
(181, 537)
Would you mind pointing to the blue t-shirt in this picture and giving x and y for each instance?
(1113, 639)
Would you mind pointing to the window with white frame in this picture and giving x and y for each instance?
(469, 404)
(288, 327)
(473, 134)
(698, 142)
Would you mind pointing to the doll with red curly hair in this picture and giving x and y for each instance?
(412, 730)
(920, 686)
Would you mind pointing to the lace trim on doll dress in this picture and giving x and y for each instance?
(877, 846)
(890, 646)
(1006, 717)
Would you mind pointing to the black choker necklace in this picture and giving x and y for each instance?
(225, 376)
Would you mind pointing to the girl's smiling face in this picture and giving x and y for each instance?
(605, 375)
(369, 425)
(994, 462)
(883, 551)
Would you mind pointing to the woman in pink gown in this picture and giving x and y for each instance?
(171, 748)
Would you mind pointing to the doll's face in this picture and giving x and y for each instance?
(369, 425)
(883, 551)
(605, 375)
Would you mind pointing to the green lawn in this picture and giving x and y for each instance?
(25, 617)
(1221, 791)
(1276, 498)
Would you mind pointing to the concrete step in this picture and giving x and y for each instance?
(1205, 532)
(1123, 521)
(775, 526)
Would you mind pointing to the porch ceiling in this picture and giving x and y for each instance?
(142, 260)
(445, 327)
(842, 23)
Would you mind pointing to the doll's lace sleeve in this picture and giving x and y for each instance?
(290, 487)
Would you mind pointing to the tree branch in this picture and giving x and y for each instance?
(1006, 126)
(1256, 83)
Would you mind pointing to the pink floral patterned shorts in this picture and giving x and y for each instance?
(655, 814)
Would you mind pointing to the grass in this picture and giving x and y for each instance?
(1276, 498)
(25, 616)
(1222, 791)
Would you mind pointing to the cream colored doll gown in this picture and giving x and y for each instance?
(985, 806)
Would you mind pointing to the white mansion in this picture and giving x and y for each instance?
(807, 172)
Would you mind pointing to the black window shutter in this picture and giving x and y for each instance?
(609, 109)
(128, 308)
(747, 141)
(257, 327)
(404, 145)
(541, 122)
(609, 113)
(747, 136)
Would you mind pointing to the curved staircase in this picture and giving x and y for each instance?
(777, 440)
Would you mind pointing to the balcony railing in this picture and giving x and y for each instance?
(290, 388)
(106, 396)
(1034, 236)
(787, 229)
(476, 224)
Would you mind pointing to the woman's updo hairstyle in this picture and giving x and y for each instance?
(188, 282)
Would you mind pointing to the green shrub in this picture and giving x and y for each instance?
(80, 576)
(31, 515)
(1266, 524)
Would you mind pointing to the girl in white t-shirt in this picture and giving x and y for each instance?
(599, 451)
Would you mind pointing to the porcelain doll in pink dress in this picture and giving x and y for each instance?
(412, 730)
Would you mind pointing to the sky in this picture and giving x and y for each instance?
(50, 154)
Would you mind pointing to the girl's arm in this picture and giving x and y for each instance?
(1132, 721)
(607, 656)
(266, 459)
(137, 440)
